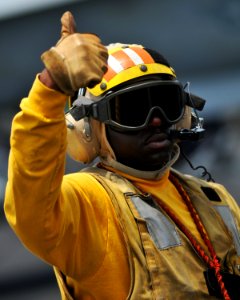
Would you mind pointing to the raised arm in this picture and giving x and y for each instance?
(37, 206)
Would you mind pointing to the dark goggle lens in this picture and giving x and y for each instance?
(132, 108)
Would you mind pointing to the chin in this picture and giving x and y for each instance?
(157, 163)
(153, 166)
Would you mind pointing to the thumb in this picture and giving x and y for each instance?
(68, 24)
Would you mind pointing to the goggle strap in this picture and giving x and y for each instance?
(81, 108)
(194, 101)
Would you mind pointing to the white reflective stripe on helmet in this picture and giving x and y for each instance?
(114, 64)
(134, 56)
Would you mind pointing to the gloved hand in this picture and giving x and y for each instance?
(77, 60)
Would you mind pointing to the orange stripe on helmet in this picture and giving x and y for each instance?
(124, 59)
(109, 74)
(127, 61)
(145, 56)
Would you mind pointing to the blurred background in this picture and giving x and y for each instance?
(200, 39)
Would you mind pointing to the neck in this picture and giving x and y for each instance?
(152, 175)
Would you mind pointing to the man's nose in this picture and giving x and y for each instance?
(155, 119)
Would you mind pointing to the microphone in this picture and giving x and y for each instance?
(194, 134)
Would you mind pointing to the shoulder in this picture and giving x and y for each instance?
(195, 181)
(214, 191)
(83, 184)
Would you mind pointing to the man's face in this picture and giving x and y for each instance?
(148, 149)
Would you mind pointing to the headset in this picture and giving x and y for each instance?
(196, 132)
(130, 67)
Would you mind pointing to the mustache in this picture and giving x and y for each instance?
(147, 131)
(156, 136)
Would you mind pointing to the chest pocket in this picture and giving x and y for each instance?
(161, 229)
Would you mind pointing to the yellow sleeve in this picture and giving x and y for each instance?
(52, 214)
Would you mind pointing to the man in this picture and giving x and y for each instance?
(131, 227)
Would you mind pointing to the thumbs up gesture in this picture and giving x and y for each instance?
(77, 60)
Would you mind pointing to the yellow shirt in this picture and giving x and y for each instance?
(69, 221)
(163, 190)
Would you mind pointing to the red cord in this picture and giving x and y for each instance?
(212, 262)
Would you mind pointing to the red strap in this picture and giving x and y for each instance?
(212, 261)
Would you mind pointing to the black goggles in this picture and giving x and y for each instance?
(131, 107)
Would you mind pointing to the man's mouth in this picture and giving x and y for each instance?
(157, 138)
(158, 141)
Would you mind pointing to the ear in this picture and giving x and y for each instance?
(185, 122)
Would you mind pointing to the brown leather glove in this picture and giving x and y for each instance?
(77, 60)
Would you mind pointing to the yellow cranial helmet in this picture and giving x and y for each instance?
(129, 62)
(130, 68)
